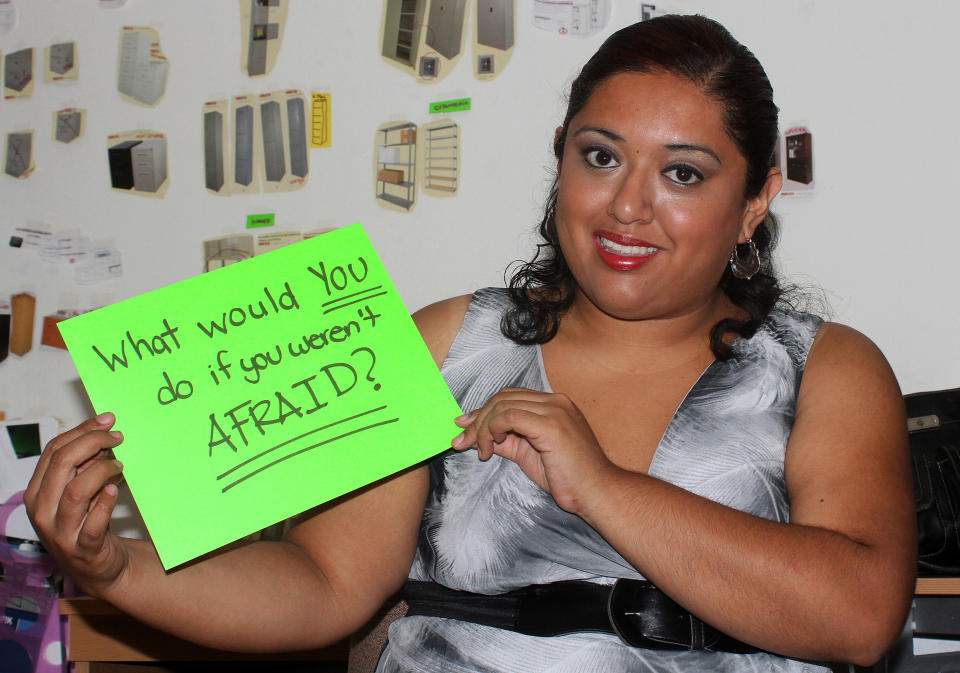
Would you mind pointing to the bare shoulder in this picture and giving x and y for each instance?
(841, 356)
(847, 378)
(850, 415)
(439, 323)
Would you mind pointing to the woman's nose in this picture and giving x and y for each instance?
(633, 200)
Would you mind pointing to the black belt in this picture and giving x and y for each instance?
(636, 611)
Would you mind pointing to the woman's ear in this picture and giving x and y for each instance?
(758, 206)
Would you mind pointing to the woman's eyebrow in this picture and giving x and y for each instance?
(685, 147)
(602, 131)
(673, 147)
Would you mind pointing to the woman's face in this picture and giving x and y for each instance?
(650, 197)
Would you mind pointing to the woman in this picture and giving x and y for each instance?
(639, 411)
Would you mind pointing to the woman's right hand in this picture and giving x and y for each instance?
(70, 499)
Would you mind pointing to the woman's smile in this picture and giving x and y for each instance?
(623, 253)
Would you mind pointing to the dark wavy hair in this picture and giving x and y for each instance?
(702, 51)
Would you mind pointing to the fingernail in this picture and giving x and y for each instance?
(118, 464)
(116, 434)
(456, 440)
(110, 490)
(105, 418)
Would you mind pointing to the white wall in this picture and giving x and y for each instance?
(875, 83)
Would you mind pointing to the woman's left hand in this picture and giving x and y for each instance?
(545, 434)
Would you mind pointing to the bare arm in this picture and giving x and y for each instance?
(833, 584)
(331, 574)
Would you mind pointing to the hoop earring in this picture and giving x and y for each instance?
(745, 266)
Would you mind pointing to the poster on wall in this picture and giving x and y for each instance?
(8, 16)
(227, 250)
(18, 158)
(19, 311)
(259, 143)
(283, 134)
(142, 68)
(60, 63)
(579, 18)
(69, 124)
(440, 158)
(321, 120)
(102, 264)
(217, 150)
(261, 25)
(796, 161)
(395, 165)
(292, 378)
(18, 74)
(247, 154)
(494, 36)
(424, 38)
(137, 162)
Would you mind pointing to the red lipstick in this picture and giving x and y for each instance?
(618, 259)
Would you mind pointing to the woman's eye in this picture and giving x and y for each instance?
(600, 158)
(684, 175)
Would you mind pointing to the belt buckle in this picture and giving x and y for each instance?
(643, 616)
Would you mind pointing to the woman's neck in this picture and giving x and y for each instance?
(648, 344)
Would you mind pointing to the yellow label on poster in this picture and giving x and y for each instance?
(320, 124)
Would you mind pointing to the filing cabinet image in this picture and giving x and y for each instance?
(243, 145)
(213, 150)
(139, 76)
(271, 123)
(495, 23)
(19, 154)
(445, 26)
(61, 57)
(68, 125)
(297, 131)
(121, 164)
(140, 165)
(149, 159)
(18, 69)
(261, 30)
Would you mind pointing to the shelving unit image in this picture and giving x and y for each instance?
(396, 164)
(402, 27)
(441, 157)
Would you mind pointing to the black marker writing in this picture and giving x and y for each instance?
(222, 367)
(238, 315)
(260, 361)
(170, 392)
(306, 396)
(157, 345)
(373, 361)
(336, 278)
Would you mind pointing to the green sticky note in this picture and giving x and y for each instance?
(456, 105)
(263, 220)
(253, 392)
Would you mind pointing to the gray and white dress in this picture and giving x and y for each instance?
(488, 529)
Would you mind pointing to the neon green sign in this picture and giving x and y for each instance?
(254, 392)
(457, 105)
